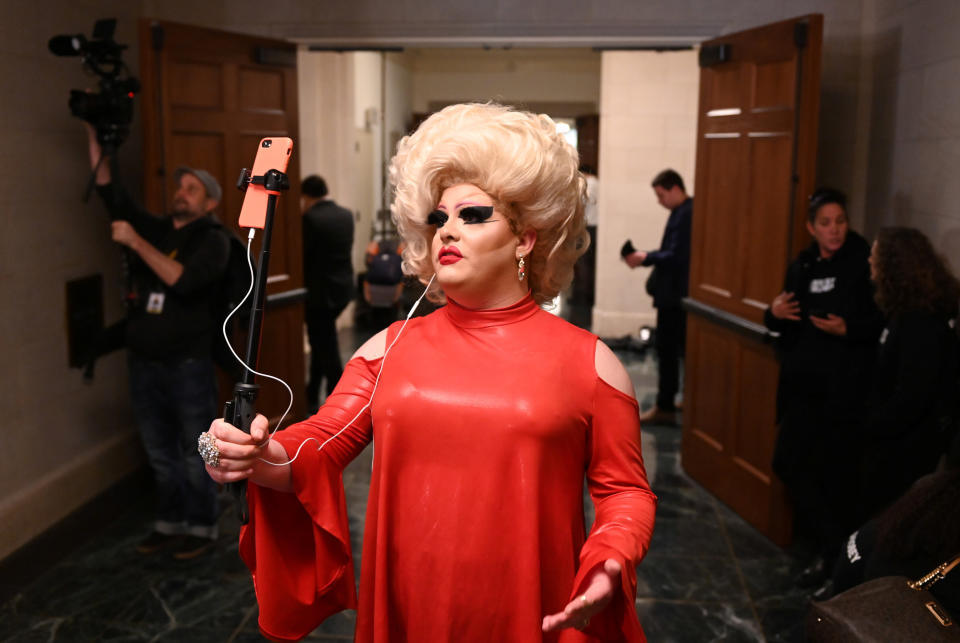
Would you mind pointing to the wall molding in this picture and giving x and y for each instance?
(52, 497)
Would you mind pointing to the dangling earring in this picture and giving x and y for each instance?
(521, 272)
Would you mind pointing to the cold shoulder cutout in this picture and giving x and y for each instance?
(611, 371)
(373, 348)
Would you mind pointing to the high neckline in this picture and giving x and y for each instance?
(473, 318)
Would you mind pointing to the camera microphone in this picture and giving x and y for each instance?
(67, 45)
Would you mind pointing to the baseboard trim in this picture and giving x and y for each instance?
(52, 497)
(79, 527)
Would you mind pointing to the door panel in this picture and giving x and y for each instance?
(767, 213)
(207, 102)
(773, 88)
(261, 91)
(755, 165)
(718, 244)
(728, 432)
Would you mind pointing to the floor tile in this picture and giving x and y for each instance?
(687, 622)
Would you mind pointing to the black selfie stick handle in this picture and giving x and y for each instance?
(240, 411)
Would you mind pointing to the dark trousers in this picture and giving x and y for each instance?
(174, 403)
(817, 457)
(324, 351)
(670, 339)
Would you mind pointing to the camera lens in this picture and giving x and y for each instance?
(266, 143)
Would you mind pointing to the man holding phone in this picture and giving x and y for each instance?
(177, 266)
(667, 284)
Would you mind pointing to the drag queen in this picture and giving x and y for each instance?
(486, 415)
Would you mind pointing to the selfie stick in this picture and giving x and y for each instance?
(240, 410)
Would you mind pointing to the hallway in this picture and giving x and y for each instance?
(709, 576)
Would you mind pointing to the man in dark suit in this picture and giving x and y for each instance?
(328, 277)
(668, 286)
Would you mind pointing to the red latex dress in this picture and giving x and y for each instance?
(485, 423)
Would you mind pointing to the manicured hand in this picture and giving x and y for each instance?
(601, 585)
(784, 306)
(830, 324)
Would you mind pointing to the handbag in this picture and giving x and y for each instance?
(882, 610)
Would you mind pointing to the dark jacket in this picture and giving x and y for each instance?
(669, 282)
(909, 417)
(327, 266)
(190, 312)
(839, 285)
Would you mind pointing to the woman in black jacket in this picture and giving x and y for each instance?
(909, 418)
(828, 324)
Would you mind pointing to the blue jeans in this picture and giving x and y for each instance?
(174, 403)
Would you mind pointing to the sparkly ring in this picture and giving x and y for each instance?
(207, 446)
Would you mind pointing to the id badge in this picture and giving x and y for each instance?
(155, 303)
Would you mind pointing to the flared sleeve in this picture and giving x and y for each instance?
(625, 509)
(297, 545)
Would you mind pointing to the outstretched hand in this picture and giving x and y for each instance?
(602, 582)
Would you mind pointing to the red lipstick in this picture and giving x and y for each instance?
(449, 255)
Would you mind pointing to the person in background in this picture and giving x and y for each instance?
(668, 285)
(328, 277)
(178, 262)
(910, 415)
(383, 281)
(828, 325)
(487, 415)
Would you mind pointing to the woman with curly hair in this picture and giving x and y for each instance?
(486, 415)
(914, 393)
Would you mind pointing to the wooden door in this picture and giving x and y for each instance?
(208, 98)
(756, 147)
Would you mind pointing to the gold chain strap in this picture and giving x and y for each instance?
(936, 575)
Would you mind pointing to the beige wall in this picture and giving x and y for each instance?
(398, 104)
(63, 440)
(326, 145)
(648, 122)
(912, 54)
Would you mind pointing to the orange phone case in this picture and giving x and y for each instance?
(273, 153)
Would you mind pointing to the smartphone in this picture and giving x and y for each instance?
(627, 248)
(272, 154)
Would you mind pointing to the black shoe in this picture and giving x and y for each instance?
(157, 541)
(193, 547)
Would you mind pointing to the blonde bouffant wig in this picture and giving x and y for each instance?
(520, 160)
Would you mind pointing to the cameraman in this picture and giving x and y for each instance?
(177, 263)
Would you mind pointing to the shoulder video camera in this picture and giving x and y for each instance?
(110, 110)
